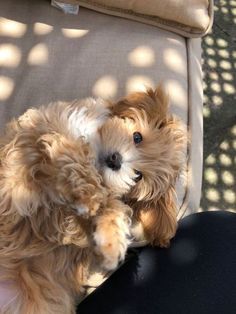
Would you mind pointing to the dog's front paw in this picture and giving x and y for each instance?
(111, 242)
(88, 210)
(111, 251)
(85, 195)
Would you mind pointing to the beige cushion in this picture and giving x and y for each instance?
(191, 18)
(47, 56)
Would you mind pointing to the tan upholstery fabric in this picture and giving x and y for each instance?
(46, 55)
(191, 18)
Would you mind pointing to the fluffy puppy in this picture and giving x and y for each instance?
(66, 172)
(58, 217)
(153, 142)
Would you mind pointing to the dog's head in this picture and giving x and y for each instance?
(142, 145)
(143, 150)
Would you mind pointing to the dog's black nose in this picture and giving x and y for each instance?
(114, 160)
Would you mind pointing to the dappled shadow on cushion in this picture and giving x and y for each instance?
(219, 69)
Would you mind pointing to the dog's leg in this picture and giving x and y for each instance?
(112, 233)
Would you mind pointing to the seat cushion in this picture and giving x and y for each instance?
(190, 18)
(46, 56)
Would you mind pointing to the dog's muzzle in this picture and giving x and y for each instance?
(114, 161)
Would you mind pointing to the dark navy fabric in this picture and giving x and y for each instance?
(196, 275)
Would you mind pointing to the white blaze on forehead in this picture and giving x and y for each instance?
(86, 120)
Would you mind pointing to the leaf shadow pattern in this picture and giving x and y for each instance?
(219, 72)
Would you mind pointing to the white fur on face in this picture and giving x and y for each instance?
(119, 181)
(86, 120)
(117, 136)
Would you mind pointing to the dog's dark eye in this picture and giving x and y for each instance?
(139, 175)
(137, 137)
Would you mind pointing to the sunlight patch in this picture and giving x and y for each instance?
(234, 146)
(227, 76)
(12, 28)
(210, 52)
(229, 196)
(214, 75)
(178, 93)
(209, 40)
(206, 112)
(74, 33)
(42, 28)
(10, 55)
(226, 65)
(211, 160)
(174, 61)
(105, 87)
(223, 53)
(221, 42)
(142, 56)
(216, 87)
(227, 177)
(229, 88)
(138, 83)
(212, 63)
(6, 87)
(212, 195)
(211, 175)
(224, 145)
(233, 130)
(217, 100)
(225, 160)
(38, 55)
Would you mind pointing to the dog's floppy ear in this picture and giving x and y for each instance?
(17, 156)
(158, 218)
(154, 103)
(25, 164)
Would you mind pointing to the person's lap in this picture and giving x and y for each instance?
(197, 274)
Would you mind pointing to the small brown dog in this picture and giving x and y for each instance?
(65, 172)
